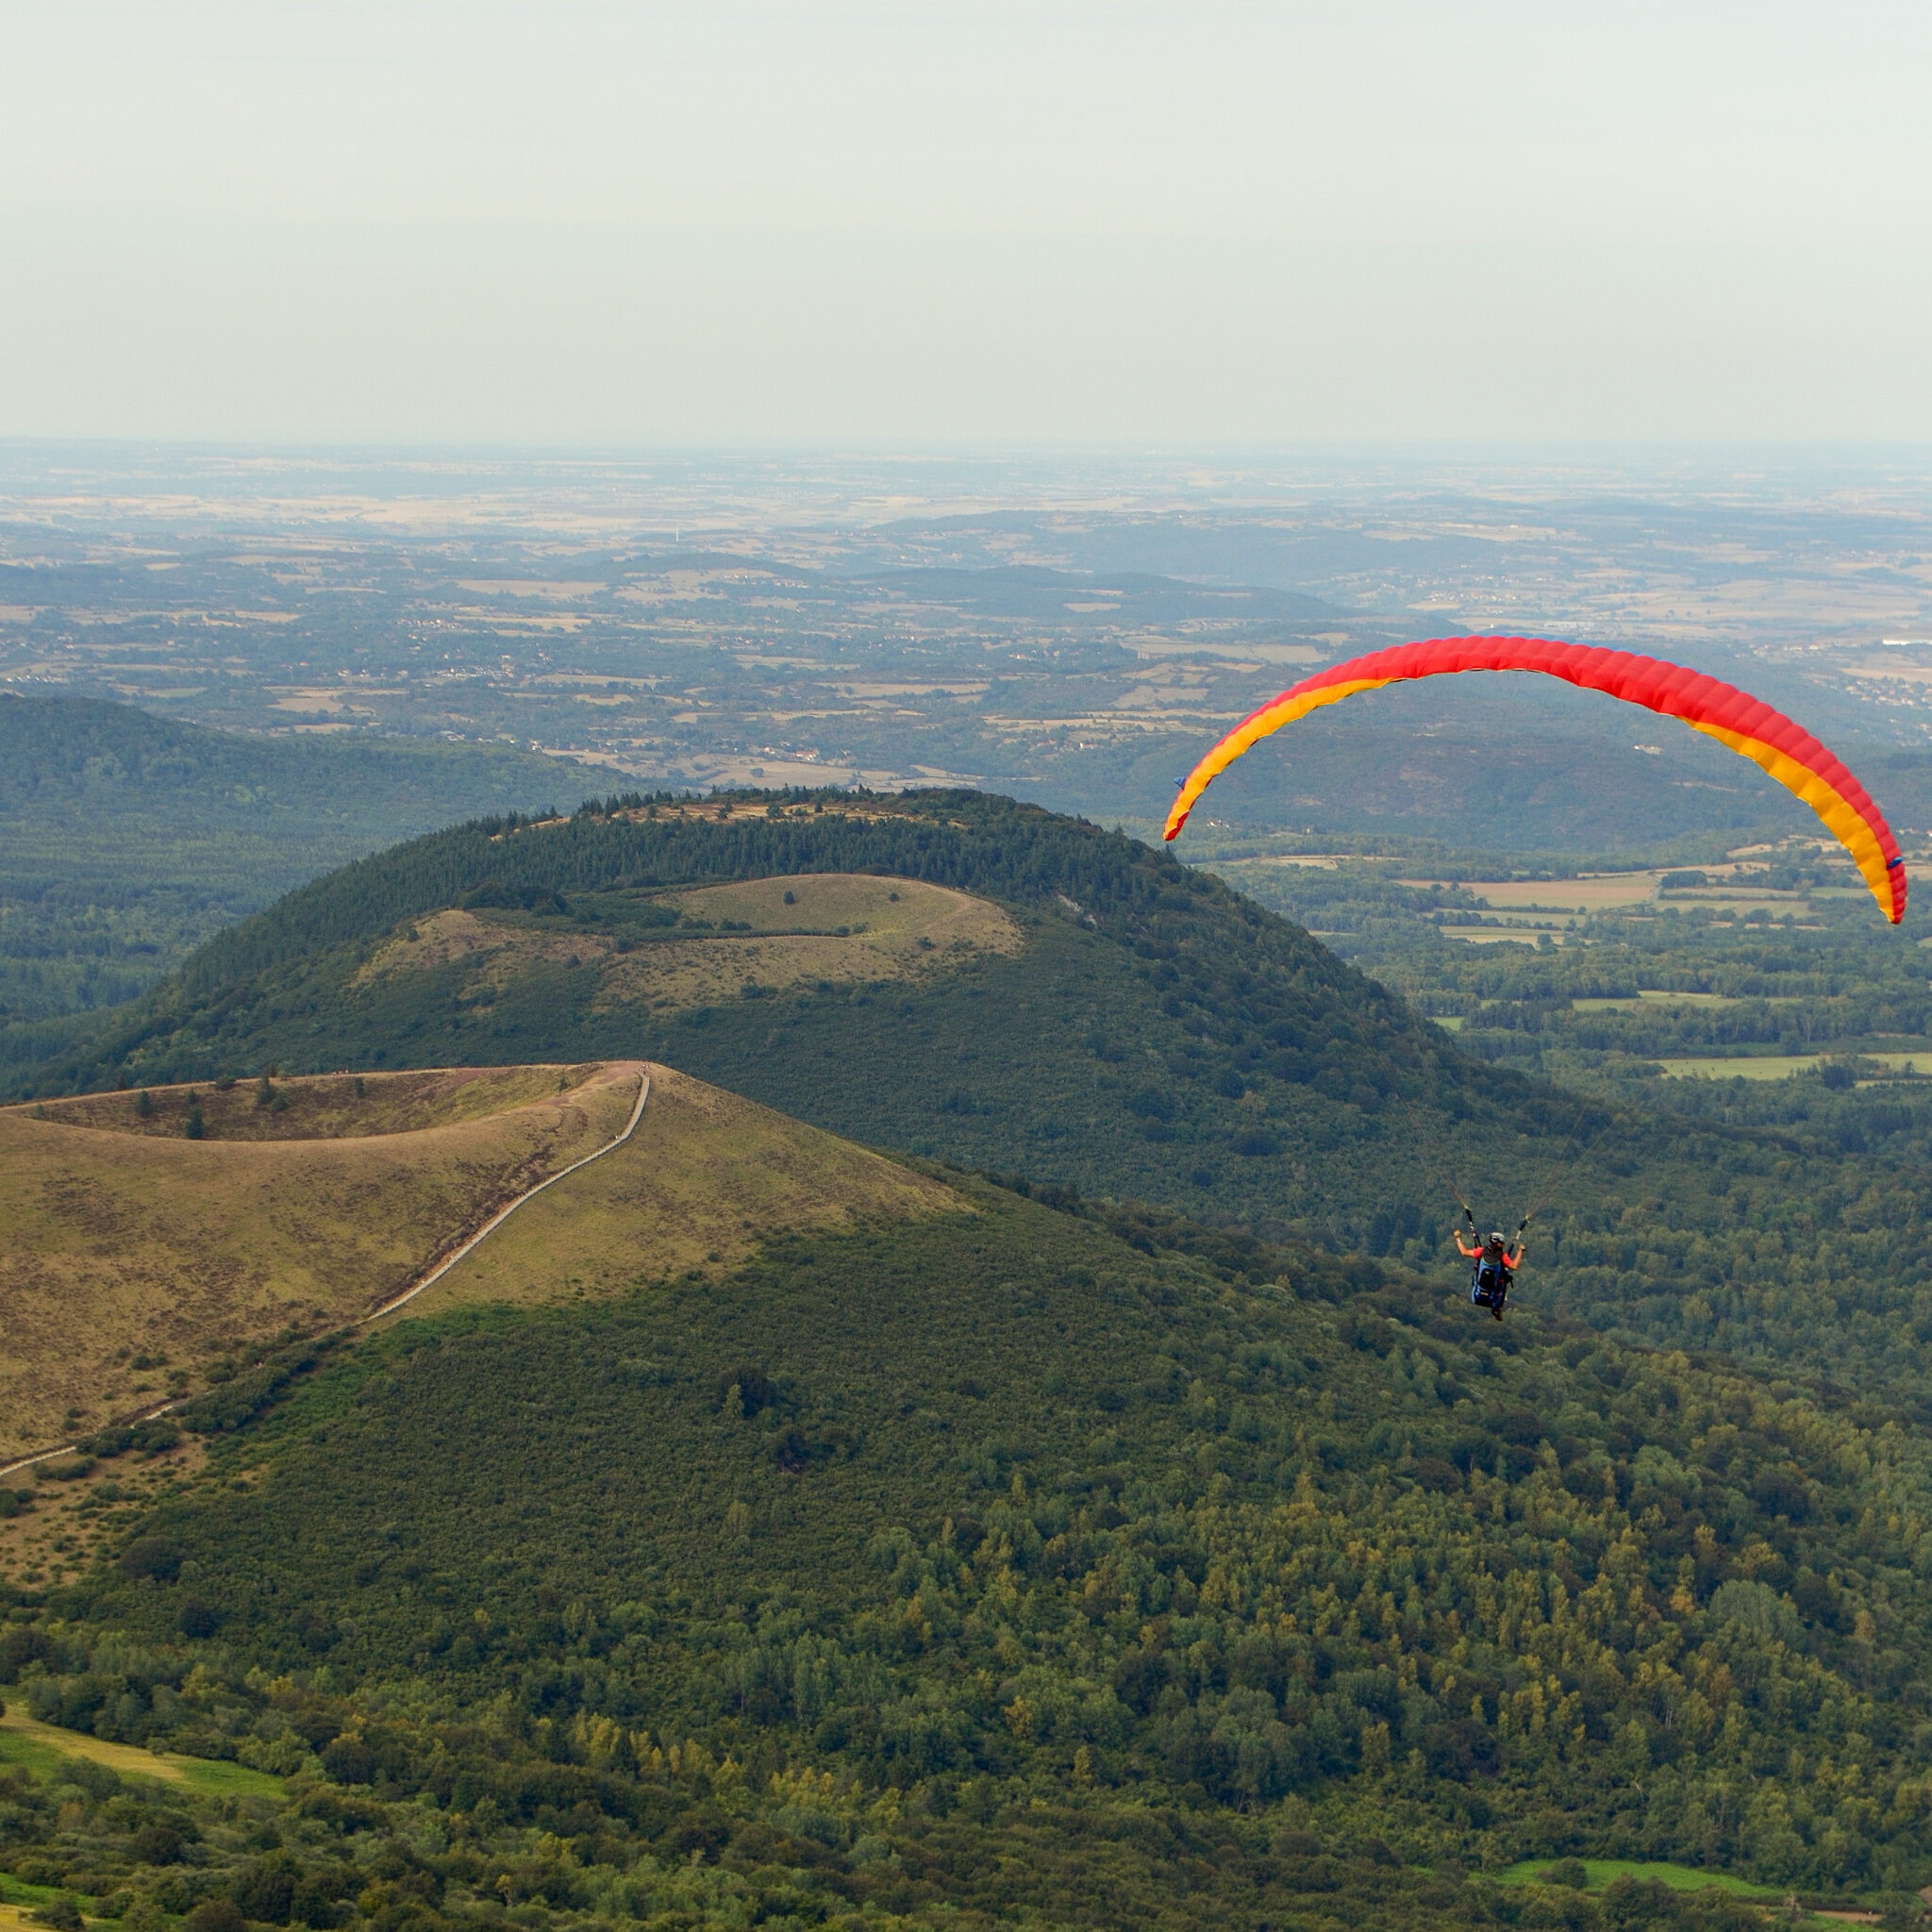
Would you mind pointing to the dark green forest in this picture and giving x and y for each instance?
(1062, 1564)
(126, 841)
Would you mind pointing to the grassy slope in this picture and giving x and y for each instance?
(320, 1107)
(703, 1177)
(23, 1740)
(706, 1177)
(119, 1242)
(1031, 1514)
(713, 943)
(1601, 1871)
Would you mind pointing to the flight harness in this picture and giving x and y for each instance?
(1488, 1285)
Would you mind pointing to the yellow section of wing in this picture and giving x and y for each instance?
(1845, 822)
(1251, 731)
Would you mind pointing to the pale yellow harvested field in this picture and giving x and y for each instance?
(1735, 885)
(840, 929)
(565, 590)
(1890, 669)
(704, 1176)
(118, 1244)
(1600, 895)
(324, 698)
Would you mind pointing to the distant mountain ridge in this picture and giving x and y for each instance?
(127, 840)
(59, 751)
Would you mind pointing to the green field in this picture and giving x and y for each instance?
(1603, 1872)
(1782, 1066)
(45, 1749)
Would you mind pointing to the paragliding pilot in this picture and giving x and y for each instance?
(1497, 1261)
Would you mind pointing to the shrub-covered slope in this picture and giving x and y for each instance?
(1091, 1569)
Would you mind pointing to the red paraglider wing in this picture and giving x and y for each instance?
(1796, 760)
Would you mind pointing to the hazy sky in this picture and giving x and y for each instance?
(912, 223)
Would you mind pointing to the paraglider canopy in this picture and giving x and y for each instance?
(1751, 728)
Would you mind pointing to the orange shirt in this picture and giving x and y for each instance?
(1506, 1257)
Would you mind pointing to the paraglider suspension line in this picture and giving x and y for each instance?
(1435, 1170)
(1553, 1171)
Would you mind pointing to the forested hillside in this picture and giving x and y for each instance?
(1153, 1036)
(126, 840)
(1085, 1567)
(1156, 1038)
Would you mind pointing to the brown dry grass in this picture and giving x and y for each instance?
(117, 1245)
(327, 1107)
(705, 1175)
(842, 928)
(126, 1244)
(1601, 894)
